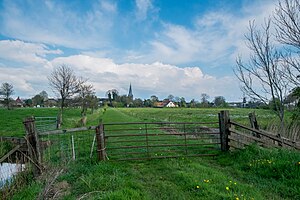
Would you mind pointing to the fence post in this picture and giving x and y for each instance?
(254, 123)
(33, 144)
(224, 129)
(101, 149)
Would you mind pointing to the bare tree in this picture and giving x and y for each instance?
(287, 22)
(6, 91)
(262, 77)
(65, 84)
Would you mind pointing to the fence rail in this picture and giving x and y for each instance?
(241, 136)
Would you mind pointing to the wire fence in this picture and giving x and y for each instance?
(43, 124)
(68, 145)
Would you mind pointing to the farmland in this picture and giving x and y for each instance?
(254, 173)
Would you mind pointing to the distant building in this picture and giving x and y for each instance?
(19, 102)
(166, 103)
(130, 95)
(171, 104)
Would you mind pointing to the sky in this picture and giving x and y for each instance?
(162, 47)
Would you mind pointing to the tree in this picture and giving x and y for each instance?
(154, 99)
(6, 91)
(92, 102)
(220, 101)
(287, 23)
(204, 100)
(112, 95)
(296, 94)
(65, 84)
(262, 77)
(44, 95)
(38, 100)
(86, 91)
(192, 103)
(182, 102)
(147, 103)
(170, 97)
(138, 102)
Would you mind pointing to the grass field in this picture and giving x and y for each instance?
(11, 121)
(254, 173)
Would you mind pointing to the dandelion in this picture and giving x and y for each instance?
(197, 186)
(230, 181)
(234, 183)
(236, 198)
(298, 163)
(227, 188)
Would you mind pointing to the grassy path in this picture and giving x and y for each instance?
(251, 174)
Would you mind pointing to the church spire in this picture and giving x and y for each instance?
(130, 95)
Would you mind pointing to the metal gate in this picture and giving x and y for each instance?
(137, 141)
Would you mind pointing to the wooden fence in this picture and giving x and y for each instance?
(238, 136)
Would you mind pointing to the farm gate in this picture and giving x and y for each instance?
(126, 141)
(138, 141)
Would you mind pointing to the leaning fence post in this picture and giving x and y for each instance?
(33, 144)
(224, 129)
(101, 150)
(254, 123)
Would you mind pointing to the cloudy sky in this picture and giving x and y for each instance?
(161, 47)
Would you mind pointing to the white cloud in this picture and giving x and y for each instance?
(29, 75)
(216, 38)
(57, 23)
(147, 79)
(108, 6)
(142, 8)
(27, 81)
(22, 52)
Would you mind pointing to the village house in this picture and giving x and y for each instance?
(166, 103)
(18, 102)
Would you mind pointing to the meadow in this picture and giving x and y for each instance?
(11, 121)
(253, 173)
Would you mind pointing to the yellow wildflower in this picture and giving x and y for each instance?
(236, 198)
(234, 183)
(198, 186)
(227, 188)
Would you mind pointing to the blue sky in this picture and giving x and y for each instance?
(162, 47)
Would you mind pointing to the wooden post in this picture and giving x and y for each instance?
(224, 129)
(33, 144)
(101, 149)
(254, 124)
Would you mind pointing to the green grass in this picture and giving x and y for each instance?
(11, 121)
(264, 117)
(254, 173)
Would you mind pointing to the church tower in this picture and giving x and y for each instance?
(130, 95)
